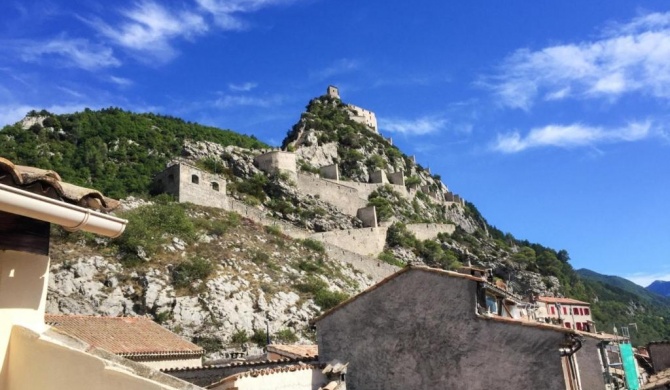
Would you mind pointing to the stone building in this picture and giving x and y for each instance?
(190, 184)
(32, 354)
(135, 338)
(421, 329)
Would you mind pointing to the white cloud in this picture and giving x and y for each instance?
(420, 126)
(150, 28)
(78, 53)
(645, 280)
(244, 87)
(121, 81)
(574, 135)
(627, 58)
(228, 101)
(225, 11)
(343, 65)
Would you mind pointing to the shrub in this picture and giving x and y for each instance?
(327, 299)
(260, 337)
(388, 257)
(285, 336)
(239, 337)
(186, 272)
(274, 230)
(314, 245)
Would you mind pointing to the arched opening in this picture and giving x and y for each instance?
(215, 186)
(195, 179)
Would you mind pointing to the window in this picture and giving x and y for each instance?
(195, 179)
(215, 186)
(553, 311)
(567, 325)
(578, 325)
(586, 311)
(565, 310)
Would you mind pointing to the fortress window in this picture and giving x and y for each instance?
(215, 186)
(171, 178)
(195, 179)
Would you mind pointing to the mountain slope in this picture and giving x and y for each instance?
(660, 287)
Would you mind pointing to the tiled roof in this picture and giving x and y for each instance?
(294, 350)
(250, 363)
(413, 268)
(49, 184)
(265, 371)
(566, 301)
(658, 381)
(124, 336)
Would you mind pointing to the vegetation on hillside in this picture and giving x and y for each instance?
(112, 150)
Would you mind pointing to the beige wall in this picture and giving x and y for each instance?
(23, 289)
(363, 116)
(172, 363)
(277, 161)
(36, 362)
(364, 241)
(307, 379)
(178, 180)
(426, 231)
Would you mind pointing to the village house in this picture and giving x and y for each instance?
(32, 354)
(424, 328)
(135, 338)
(571, 313)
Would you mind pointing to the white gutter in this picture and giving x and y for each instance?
(72, 218)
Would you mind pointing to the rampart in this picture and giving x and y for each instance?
(379, 177)
(330, 172)
(361, 115)
(427, 231)
(277, 161)
(344, 197)
(368, 215)
(190, 184)
(365, 241)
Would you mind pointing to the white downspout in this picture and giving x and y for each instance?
(72, 218)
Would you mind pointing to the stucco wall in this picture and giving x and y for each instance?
(591, 370)
(23, 289)
(36, 362)
(345, 198)
(660, 355)
(307, 379)
(365, 241)
(419, 331)
(425, 231)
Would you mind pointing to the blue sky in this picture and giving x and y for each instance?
(549, 117)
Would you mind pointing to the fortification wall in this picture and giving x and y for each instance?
(426, 231)
(368, 215)
(190, 184)
(378, 177)
(277, 160)
(375, 268)
(259, 216)
(330, 172)
(345, 198)
(365, 241)
(397, 178)
(365, 189)
(361, 115)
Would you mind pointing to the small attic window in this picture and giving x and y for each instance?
(215, 186)
(195, 179)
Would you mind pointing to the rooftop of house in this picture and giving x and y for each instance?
(294, 350)
(125, 336)
(49, 183)
(658, 381)
(564, 301)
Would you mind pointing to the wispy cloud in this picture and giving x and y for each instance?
(228, 101)
(343, 65)
(420, 126)
(243, 87)
(226, 12)
(631, 57)
(150, 28)
(645, 279)
(70, 52)
(570, 136)
(121, 81)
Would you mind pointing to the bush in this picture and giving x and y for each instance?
(388, 257)
(285, 336)
(260, 337)
(239, 337)
(274, 230)
(314, 245)
(327, 299)
(186, 272)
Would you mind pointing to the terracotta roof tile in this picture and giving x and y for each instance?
(658, 381)
(294, 350)
(567, 301)
(251, 363)
(124, 336)
(265, 371)
(49, 183)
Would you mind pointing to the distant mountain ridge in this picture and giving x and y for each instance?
(660, 287)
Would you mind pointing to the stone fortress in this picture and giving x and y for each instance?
(356, 113)
(358, 247)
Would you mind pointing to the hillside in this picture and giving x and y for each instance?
(217, 277)
(660, 287)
